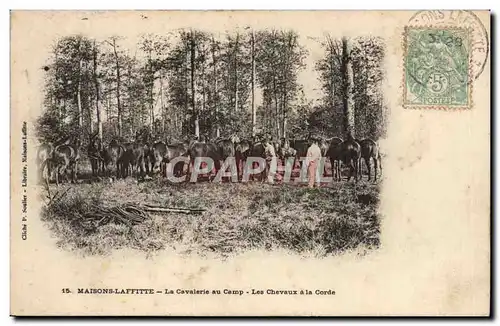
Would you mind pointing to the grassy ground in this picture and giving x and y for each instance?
(238, 217)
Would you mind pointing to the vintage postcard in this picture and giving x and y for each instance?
(250, 163)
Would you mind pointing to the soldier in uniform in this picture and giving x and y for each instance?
(271, 159)
(313, 160)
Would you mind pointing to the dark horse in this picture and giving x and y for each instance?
(111, 156)
(370, 150)
(350, 154)
(135, 157)
(132, 160)
(198, 149)
(334, 153)
(259, 150)
(94, 152)
(227, 149)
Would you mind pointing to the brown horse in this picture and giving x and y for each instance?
(204, 149)
(132, 161)
(173, 151)
(162, 154)
(227, 147)
(94, 152)
(259, 150)
(350, 152)
(43, 157)
(370, 150)
(334, 153)
(135, 157)
(110, 156)
(157, 154)
(65, 159)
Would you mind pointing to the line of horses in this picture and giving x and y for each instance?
(145, 157)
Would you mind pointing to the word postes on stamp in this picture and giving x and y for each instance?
(437, 68)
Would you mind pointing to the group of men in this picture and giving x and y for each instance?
(313, 158)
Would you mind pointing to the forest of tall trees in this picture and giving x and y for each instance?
(191, 82)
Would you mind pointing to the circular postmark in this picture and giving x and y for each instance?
(480, 45)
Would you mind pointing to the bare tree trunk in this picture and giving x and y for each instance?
(284, 104)
(186, 82)
(331, 60)
(162, 108)
(185, 79)
(151, 94)
(57, 101)
(284, 115)
(79, 95)
(151, 110)
(89, 112)
(349, 126)
(276, 108)
(203, 82)
(332, 84)
(108, 106)
(277, 122)
(118, 85)
(236, 72)
(131, 112)
(216, 104)
(254, 111)
(193, 90)
(97, 95)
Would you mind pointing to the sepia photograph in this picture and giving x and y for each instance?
(250, 163)
(211, 142)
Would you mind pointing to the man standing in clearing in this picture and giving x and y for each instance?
(271, 159)
(313, 159)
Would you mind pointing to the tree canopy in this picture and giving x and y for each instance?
(191, 82)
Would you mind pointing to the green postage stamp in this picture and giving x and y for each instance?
(437, 69)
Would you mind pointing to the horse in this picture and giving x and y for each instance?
(135, 158)
(132, 160)
(111, 156)
(94, 152)
(334, 153)
(259, 150)
(350, 152)
(370, 150)
(162, 154)
(204, 149)
(43, 157)
(65, 159)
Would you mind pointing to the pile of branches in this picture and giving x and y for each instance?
(91, 213)
(99, 215)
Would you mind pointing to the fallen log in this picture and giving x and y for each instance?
(172, 210)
